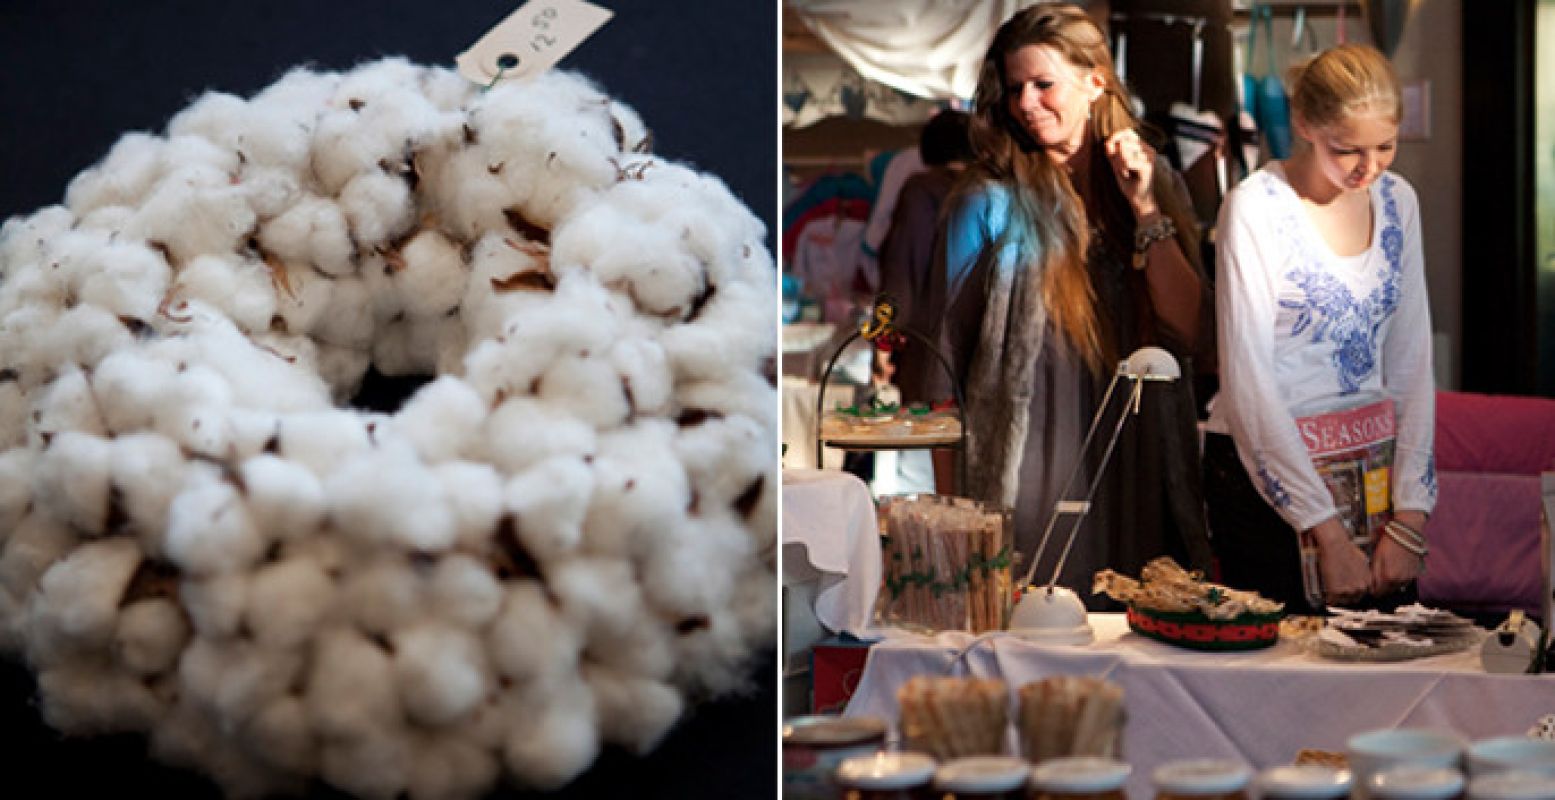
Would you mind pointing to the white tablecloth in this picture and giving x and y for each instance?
(830, 537)
(799, 421)
(1259, 707)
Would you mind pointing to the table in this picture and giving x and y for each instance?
(831, 543)
(1259, 707)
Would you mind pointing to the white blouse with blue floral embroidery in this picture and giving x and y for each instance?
(1304, 331)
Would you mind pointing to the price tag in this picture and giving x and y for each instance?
(531, 40)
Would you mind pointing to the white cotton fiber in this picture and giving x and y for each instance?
(687, 573)
(384, 595)
(287, 601)
(67, 404)
(322, 439)
(215, 604)
(348, 319)
(637, 491)
(530, 640)
(715, 346)
(441, 673)
(313, 232)
(494, 260)
(462, 590)
(725, 457)
(633, 712)
(122, 178)
(644, 373)
(351, 690)
(598, 594)
(72, 480)
(552, 747)
(14, 408)
(342, 370)
(474, 495)
(303, 300)
(650, 261)
(195, 210)
(271, 191)
(86, 700)
(38, 541)
(129, 280)
(285, 499)
(432, 279)
(209, 530)
(147, 470)
(549, 501)
(265, 139)
(280, 735)
(374, 766)
(234, 679)
(387, 496)
(130, 384)
(150, 635)
(378, 206)
(467, 191)
(16, 466)
(441, 419)
(521, 433)
(86, 334)
(112, 220)
(748, 395)
(588, 387)
(24, 238)
(77, 604)
(239, 288)
(450, 769)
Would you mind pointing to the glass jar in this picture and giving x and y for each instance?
(814, 746)
(983, 777)
(1079, 778)
(1517, 784)
(886, 776)
(1201, 779)
(1415, 782)
(1305, 782)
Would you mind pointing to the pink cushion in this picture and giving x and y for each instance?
(1494, 433)
(1484, 540)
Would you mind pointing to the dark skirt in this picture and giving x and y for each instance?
(1254, 547)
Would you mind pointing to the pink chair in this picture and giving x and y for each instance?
(1485, 534)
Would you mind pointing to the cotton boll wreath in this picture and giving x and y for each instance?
(560, 542)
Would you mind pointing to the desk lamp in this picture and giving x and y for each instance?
(1054, 613)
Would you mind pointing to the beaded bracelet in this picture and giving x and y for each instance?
(1157, 230)
(1406, 538)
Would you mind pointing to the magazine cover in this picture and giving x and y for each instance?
(1353, 452)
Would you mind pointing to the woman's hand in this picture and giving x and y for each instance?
(1346, 575)
(1392, 566)
(1133, 164)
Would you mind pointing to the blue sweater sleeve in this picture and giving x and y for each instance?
(975, 221)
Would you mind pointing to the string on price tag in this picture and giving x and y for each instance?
(531, 40)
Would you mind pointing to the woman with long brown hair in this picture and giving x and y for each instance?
(1067, 246)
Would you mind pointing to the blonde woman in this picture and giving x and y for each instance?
(1068, 245)
(1322, 315)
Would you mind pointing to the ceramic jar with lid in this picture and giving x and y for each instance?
(1415, 782)
(1201, 779)
(1305, 782)
(983, 778)
(1079, 778)
(886, 776)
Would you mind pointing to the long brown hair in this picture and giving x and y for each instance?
(1049, 219)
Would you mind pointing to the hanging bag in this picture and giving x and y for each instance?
(1271, 110)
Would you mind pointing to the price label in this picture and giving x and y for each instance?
(531, 40)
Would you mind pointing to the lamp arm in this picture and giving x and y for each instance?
(1117, 430)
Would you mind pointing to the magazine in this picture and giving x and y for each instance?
(1352, 450)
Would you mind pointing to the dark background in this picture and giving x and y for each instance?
(76, 75)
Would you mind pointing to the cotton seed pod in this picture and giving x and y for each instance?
(209, 530)
(38, 541)
(530, 641)
(633, 712)
(350, 692)
(72, 480)
(287, 602)
(83, 699)
(77, 604)
(441, 673)
(384, 595)
(463, 591)
(549, 501)
(149, 636)
(312, 232)
(441, 419)
(553, 745)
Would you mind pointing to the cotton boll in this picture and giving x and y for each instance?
(240, 289)
(728, 338)
(474, 495)
(441, 419)
(715, 659)
(86, 334)
(271, 190)
(83, 699)
(209, 531)
(746, 395)
(445, 89)
(632, 136)
(199, 153)
(297, 96)
(342, 369)
(150, 635)
(287, 601)
(270, 139)
(687, 574)
(147, 470)
(387, 496)
(374, 765)
(348, 321)
(129, 281)
(250, 432)
(550, 748)
(72, 481)
(378, 207)
(521, 433)
(67, 404)
(195, 210)
(215, 604)
(397, 352)
(14, 408)
(314, 231)
(440, 672)
(725, 458)
(644, 372)
(16, 466)
(285, 499)
(199, 428)
(23, 239)
(636, 489)
(433, 278)
(384, 595)
(662, 278)
(494, 259)
(303, 303)
(38, 541)
(234, 679)
(633, 712)
(130, 384)
(450, 769)
(112, 220)
(550, 500)
(463, 591)
(280, 735)
(123, 178)
(601, 597)
(320, 440)
(530, 641)
(386, 305)
(588, 387)
(466, 191)
(351, 691)
(77, 604)
(30, 347)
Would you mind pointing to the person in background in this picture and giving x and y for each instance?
(1322, 314)
(1068, 245)
(907, 255)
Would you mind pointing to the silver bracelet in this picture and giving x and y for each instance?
(1401, 529)
(1404, 542)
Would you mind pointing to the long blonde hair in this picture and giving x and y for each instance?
(1047, 211)
(1346, 81)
